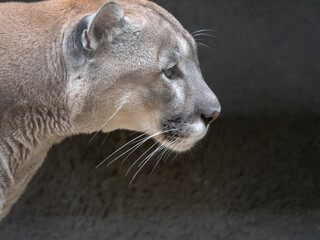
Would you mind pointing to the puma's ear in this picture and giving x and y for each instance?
(101, 24)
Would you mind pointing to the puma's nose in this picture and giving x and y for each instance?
(208, 119)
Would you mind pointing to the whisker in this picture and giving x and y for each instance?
(142, 130)
(134, 147)
(158, 149)
(167, 155)
(138, 141)
(163, 152)
(148, 136)
(139, 144)
(198, 39)
(118, 109)
(177, 152)
(203, 30)
(120, 149)
(205, 45)
(174, 157)
(145, 162)
(105, 139)
(157, 163)
(140, 158)
(169, 152)
(204, 34)
(141, 155)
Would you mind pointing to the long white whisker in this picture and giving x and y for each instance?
(177, 152)
(148, 150)
(157, 163)
(163, 152)
(159, 160)
(166, 152)
(141, 155)
(142, 130)
(105, 139)
(158, 149)
(135, 147)
(167, 155)
(205, 45)
(203, 30)
(171, 151)
(198, 39)
(132, 149)
(139, 141)
(145, 162)
(140, 158)
(120, 149)
(118, 109)
(138, 145)
(174, 157)
(204, 34)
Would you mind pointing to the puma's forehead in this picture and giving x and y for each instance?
(165, 16)
(171, 29)
(176, 26)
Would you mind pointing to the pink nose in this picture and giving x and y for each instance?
(208, 119)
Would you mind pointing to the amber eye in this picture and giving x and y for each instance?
(170, 73)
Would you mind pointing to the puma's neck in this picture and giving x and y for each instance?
(27, 133)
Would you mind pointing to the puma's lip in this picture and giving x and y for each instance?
(183, 138)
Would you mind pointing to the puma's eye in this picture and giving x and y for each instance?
(170, 73)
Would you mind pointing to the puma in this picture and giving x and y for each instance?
(79, 66)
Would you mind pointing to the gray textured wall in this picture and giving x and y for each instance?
(255, 176)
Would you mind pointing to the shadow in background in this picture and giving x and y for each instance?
(251, 178)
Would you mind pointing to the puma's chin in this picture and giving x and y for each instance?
(182, 145)
(183, 138)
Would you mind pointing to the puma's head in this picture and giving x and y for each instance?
(133, 66)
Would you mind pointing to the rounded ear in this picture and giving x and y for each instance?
(100, 24)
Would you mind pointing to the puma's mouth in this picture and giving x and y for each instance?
(179, 135)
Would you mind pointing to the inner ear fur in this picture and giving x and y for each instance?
(100, 24)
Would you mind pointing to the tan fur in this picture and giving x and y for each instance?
(51, 90)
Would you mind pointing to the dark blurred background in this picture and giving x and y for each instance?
(255, 176)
